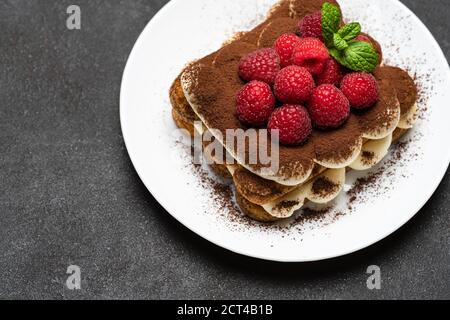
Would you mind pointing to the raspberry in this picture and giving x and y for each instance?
(332, 74)
(255, 103)
(328, 107)
(293, 124)
(311, 54)
(284, 46)
(262, 65)
(364, 38)
(311, 26)
(361, 90)
(293, 85)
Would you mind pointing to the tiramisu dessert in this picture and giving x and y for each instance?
(315, 83)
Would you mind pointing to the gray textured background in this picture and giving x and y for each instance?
(69, 194)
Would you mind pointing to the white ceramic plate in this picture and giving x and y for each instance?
(185, 30)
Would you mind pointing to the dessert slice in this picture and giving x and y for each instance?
(312, 162)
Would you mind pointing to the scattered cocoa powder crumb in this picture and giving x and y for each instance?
(373, 182)
(309, 215)
(221, 193)
(324, 217)
(338, 215)
(362, 184)
(399, 149)
(224, 196)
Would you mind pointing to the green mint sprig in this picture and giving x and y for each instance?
(331, 18)
(355, 55)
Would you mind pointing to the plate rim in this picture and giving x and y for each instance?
(339, 253)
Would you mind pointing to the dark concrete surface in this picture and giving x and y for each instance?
(69, 194)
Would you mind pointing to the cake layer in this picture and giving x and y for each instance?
(322, 188)
(261, 191)
(266, 201)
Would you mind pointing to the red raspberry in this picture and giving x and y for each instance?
(311, 26)
(284, 46)
(328, 107)
(293, 123)
(293, 85)
(332, 74)
(262, 65)
(255, 103)
(361, 89)
(311, 54)
(364, 38)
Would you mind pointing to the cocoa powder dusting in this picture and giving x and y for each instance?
(372, 185)
(301, 8)
(323, 217)
(404, 86)
(283, 205)
(323, 187)
(362, 184)
(221, 193)
(367, 157)
(276, 28)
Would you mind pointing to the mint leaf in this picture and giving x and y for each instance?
(358, 56)
(355, 55)
(361, 56)
(331, 17)
(339, 43)
(350, 31)
(339, 56)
